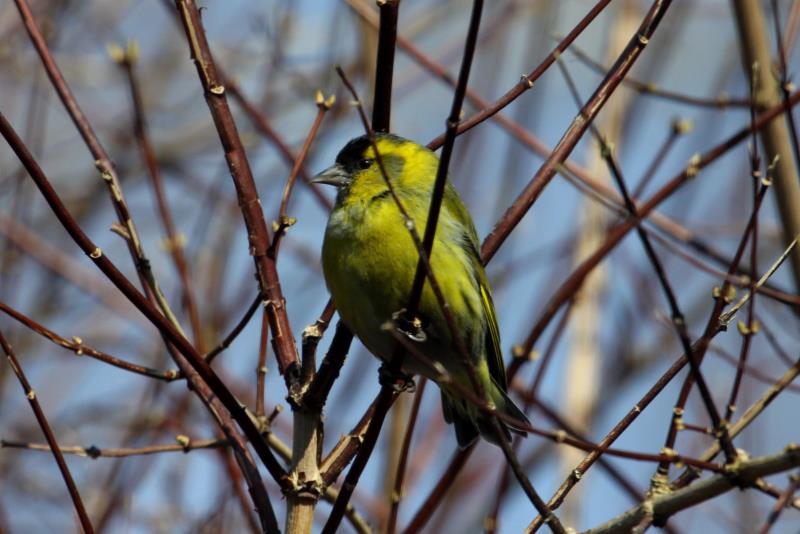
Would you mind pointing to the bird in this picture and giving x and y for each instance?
(369, 260)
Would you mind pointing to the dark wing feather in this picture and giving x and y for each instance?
(494, 355)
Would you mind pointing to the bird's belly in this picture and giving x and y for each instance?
(369, 269)
(369, 277)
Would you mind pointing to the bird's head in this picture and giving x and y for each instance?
(410, 167)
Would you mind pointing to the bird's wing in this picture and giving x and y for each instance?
(494, 355)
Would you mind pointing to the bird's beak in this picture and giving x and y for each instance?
(333, 175)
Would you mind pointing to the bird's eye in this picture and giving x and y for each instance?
(364, 163)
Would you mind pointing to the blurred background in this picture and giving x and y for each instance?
(614, 344)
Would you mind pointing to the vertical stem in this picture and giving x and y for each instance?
(755, 48)
(304, 473)
(583, 360)
(384, 68)
(86, 523)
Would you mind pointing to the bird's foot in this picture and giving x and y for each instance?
(397, 380)
(411, 328)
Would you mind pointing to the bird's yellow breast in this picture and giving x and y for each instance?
(369, 260)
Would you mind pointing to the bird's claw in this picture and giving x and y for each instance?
(397, 380)
(411, 328)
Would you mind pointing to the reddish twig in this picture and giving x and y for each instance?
(284, 221)
(527, 81)
(782, 502)
(402, 462)
(235, 331)
(77, 502)
(575, 132)
(568, 288)
(648, 88)
(174, 241)
(184, 444)
(76, 345)
(721, 299)
(139, 300)
(678, 319)
(263, 127)
(258, 237)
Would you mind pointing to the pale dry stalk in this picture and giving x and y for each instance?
(757, 60)
(583, 365)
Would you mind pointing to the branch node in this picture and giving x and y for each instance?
(184, 441)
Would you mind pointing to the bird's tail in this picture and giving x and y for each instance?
(470, 422)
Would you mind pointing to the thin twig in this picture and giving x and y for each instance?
(527, 82)
(649, 88)
(164, 326)
(284, 221)
(174, 240)
(77, 502)
(781, 503)
(239, 167)
(76, 345)
(662, 507)
(575, 132)
(678, 319)
(235, 331)
(399, 476)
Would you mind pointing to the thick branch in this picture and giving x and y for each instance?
(661, 508)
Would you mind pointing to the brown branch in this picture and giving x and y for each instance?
(678, 319)
(249, 202)
(263, 127)
(431, 503)
(384, 66)
(658, 509)
(568, 288)
(185, 444)
(64, 266)
(575, 132)
(721, 300)
(527, 82)
(174, 241)
(317, 393)
(77, 502)
(165, 327)
(649, 88)
(744, 421)
(76, 345)
(402, 462)
(284, 221)
(102, 161)
(235, 331)
(782, 502)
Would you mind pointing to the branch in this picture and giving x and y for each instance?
(657, 510)
(76, 345)
(249, 202)
(165, 327)
(755, 49)
(575, 132)
(86, 523)
(527, 82)
(384, 66)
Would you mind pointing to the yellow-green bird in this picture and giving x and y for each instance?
(369, 260)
